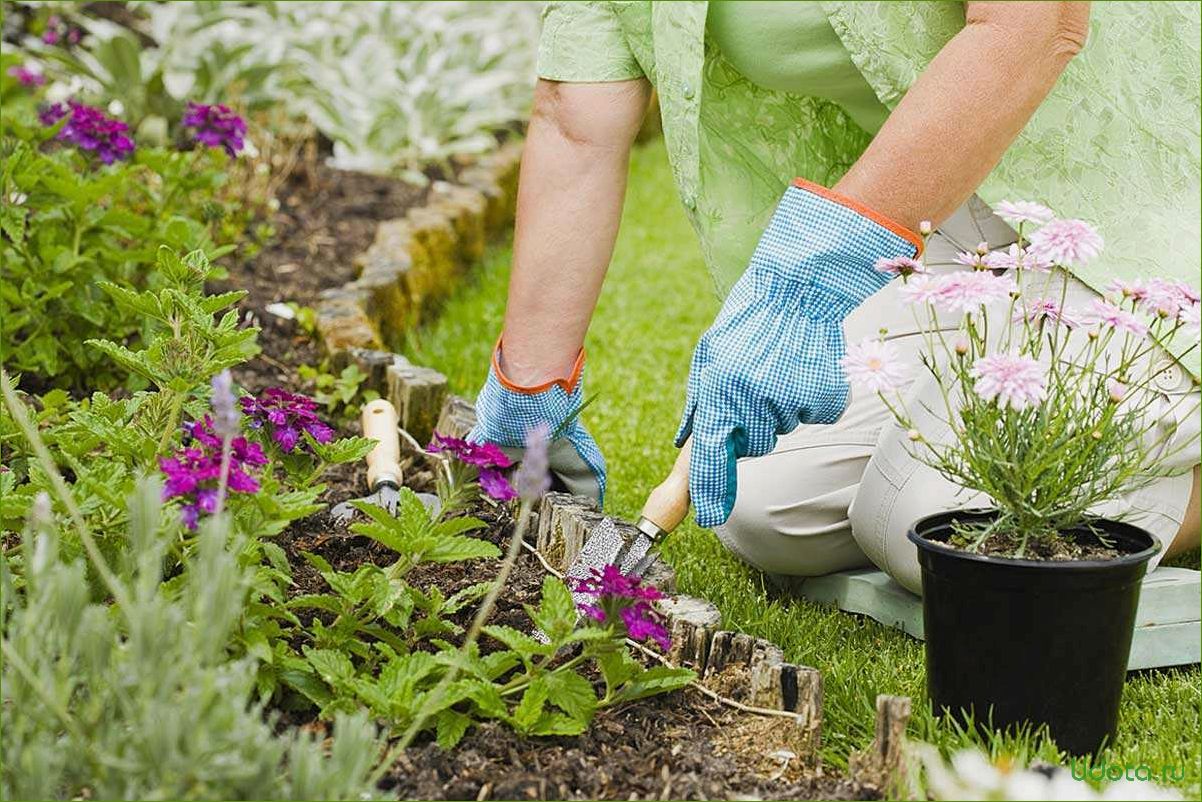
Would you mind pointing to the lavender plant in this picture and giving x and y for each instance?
(1047, 406)
(86, 684)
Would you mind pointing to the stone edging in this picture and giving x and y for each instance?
(415, 260)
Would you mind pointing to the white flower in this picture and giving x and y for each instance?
(874, 365)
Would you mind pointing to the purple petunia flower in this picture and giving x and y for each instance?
(624, 601)
(89, 129)
(25, 76)
(216, 126)
(195, 471)
(285, 415)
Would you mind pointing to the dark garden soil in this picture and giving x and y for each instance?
(326, 218)
(681, 745)
(1051, 548)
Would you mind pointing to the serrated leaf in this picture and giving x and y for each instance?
(572, 693)
(556, 614)
(551, 723)
(450, 728)
(457, 549)
(530, 709)
(522, 644)
(655, 680)
(331, 665)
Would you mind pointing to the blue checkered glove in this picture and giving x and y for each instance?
(505, 412)
(771, 359)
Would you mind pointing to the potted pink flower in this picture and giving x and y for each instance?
(1041, 406)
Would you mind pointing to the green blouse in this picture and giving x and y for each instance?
(791, 47)
(1116, 142)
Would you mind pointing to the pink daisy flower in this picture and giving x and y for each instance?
(1127, 289)
(1016, 258)
(874, 365)
(1010, 380)
(1018, 212)
(1106, 315)
(900, 266)
(1045, 309)
(975, 259)
(1188, 317)
(1066, 242)
(960, 292)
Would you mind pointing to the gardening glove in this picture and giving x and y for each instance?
(505, 412)
(771, 359)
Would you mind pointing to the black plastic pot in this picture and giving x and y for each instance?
(1017, 642)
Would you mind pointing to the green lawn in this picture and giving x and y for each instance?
(657, 300)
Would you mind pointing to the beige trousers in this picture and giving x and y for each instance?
(839, 496)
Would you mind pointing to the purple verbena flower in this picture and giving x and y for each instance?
(488, 459)
(481, 455)
(285, 415)
(216, 126)
(194, 473)
(89, 129)
(623, 601)
(26, 76)
(494, 483)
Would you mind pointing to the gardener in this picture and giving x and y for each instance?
(907, 109)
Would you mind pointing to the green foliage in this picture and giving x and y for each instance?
(139, 699)
(75, 236)
(446, 76)
(342, 395)
(377, 641)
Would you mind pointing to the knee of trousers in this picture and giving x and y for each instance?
(788, 531)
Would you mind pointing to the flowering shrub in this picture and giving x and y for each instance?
(623, 602)
(1047, 405)
(197, 471)
(284, 416)
(70, 223)
(215, 126)
(487, 459)
(90, 130)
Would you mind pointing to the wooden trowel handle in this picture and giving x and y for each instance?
(668, 504)
(379, 421)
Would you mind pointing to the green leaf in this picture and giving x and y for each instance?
(331, 665)
(572, 693)
(458, 549)
(655, 680)
(617, 667)
(451, 727)
(465, 597)
(530, 709)
(556, 615)
(521, 643)
(551, 723)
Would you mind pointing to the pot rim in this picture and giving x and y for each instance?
(1140, 556)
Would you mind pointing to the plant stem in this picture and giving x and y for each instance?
(177, 407)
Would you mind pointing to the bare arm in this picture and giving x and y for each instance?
(573, 181)
(966, 108)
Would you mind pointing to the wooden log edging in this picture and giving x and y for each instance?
(883, 764)
(415, 261)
